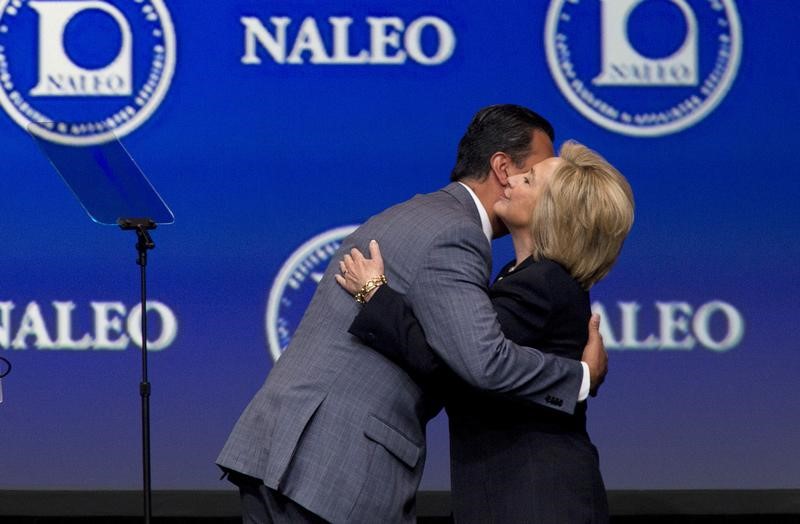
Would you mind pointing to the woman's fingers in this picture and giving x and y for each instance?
(375, 256)
(349, 282)
(356, 269)
(375, 250)
(348, 285)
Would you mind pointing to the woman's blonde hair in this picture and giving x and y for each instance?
(584, 215)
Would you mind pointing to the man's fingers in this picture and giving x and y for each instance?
(595, 355)
(356, 254)
(596, 388)
(594, 327)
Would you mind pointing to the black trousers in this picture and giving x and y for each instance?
(263, 505)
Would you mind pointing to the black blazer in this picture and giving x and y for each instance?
(499, 445)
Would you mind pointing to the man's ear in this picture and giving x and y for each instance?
(500, 163)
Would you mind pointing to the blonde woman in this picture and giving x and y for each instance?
(513, 461)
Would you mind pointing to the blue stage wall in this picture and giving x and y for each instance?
(270, 127)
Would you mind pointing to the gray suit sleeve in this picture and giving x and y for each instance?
(450, 298)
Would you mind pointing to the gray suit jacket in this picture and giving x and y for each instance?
(340, 429)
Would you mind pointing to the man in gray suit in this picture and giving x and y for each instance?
(337, 432)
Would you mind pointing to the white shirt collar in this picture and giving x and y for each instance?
(485, 224)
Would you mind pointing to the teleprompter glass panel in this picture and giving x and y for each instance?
(106, 180)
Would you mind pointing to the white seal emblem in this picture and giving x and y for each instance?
(295, 284)
(80, 72)
(661, 65)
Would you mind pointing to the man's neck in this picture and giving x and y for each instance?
(487, 197)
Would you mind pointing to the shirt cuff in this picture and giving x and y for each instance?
(584, 392)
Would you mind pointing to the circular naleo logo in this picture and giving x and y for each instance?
(660, 66)
(295, 285)
(98, 70)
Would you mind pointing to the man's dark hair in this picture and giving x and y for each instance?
(503, 127)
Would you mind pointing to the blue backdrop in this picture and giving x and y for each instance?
(265, 124)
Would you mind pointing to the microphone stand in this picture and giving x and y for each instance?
(143, 244)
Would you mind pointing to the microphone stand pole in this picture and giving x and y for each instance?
(143, 244)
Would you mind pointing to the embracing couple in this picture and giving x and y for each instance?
(337, 431)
